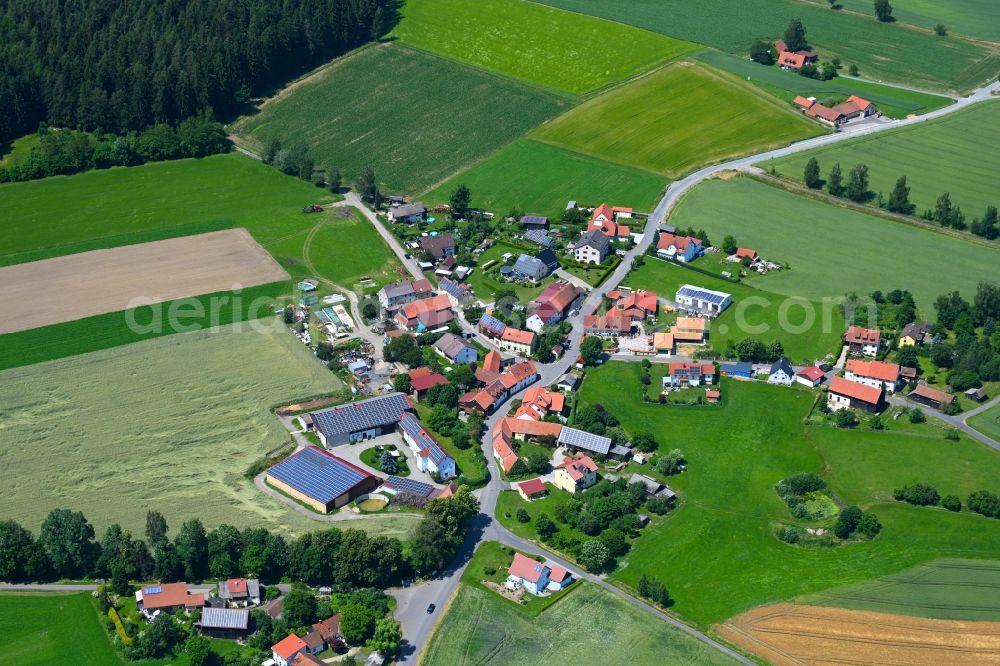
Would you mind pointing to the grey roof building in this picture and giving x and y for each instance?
(530, 267)
(455, 349)
(360, 420)
(539, 237)
(224, 622)
(581, 439)
(653, 487)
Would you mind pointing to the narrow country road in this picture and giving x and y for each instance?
(958, 421)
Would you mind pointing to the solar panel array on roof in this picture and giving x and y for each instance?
(225, 618)
(539, 237)
(412, 426)
(401, 485)
(156, 589)
(492, 324)
(584, 440)
(460, 291)
(360, 416)
(702, 294)
(317, 474)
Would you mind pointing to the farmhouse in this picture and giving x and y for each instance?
(168, 597)
(854, 107)
(394, 295)
(690, 330)
(430, 457)
(439, 246)
(458, 293)
(613, 324)
(490, 369)
(874, 373)
(637, 305)
(811, 376)
(426, 314)
(846, 394)
(509, 382)
(490, 326)
(455, 349)
(529, 490)
(605, 219)
(231, 623)
(679, 248)
(575, 474)
(543, 402)
(516, 341)
(422, 380)
(685, 374)
(699, 299)
(240, 592)
(592, 247)
(407, 213)
(503, 452)
(864, 341)
(320, 479)
(793, 59)
(553, 303)
(360, 420)
(914, 334)
(581, 440)
(931, 397)
(781, 372)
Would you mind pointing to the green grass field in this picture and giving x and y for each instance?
(40, 630)
(987, 422)
(675, 119)
(415, 118)
(843, 245)
(538, 178)
(814, 328)
(523, 40)
(717, 554)
(973, 18)
(958, 154)
(890, 52)
(347, 248)
(169, 424)
(943, 589)
(893, 102)
(483, 628)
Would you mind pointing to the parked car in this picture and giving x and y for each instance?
(430, 609)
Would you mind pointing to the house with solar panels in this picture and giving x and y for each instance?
(320, 479)
(430, 457)
(231, 623)
(168, 597)
(703, 301)
(360, 420)
(395, 485)
(581, 440)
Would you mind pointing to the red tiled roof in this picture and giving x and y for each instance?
(517, 336)
(886, 372)
(823, 112)
(526, 568)
(517, 373)
(812, 373)
(288, 646)
(859, 335)
(306, 659)
(558, 574)
(492, 361)
(426, 380)
(641, 299)
(170, 595)
(679, 242)
(746, 252)
(528, 428)
(681, 366)
(532, 487)
(804, 102)
(237, 586)
(855, 391)
(422, 286)
(925, 391)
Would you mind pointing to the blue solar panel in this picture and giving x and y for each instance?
(493, 324)
(584, 440)
(156, 589)
(360, 416)
(409, 486)
(317, 474)
(412, 426)
(702, 294)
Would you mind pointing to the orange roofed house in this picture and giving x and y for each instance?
(425, 314)
(516, 341)
(638, 305)
(874, 373)
(168, 597)
(575, 474)
(853, 107)
(793, 59)
(679, 248)
(864, 341)
(605, 219)
(846, 394)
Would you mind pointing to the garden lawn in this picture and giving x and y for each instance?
(943, 589)
(170, 424)
(987, 422)
(472, 467)
(958, 154)
(675, 119)
(883, 51)
(486, 284)
(893, 102)
(808, 330)
(843, 245)
(717, 554)
(540, 179)
(414, 117)
(541, 45)
(481, 627)
(346, 249)
(973, 18)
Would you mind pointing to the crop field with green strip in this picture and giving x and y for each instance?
(973, 18)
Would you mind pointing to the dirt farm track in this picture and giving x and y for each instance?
(91, 283)
(786, 634)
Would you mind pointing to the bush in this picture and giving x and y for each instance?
(658, 505)
(845, 418)
(489, 571)
(790, 534)
(544, 526)
(917, 416)
(847, 522)
(869, 525)
(522, 516)
(920, 494)
(119, 627)
(670, 463)
(985, 503)
(951, 502)
(803, 483)
(654, 590)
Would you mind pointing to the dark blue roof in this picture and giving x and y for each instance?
(539, 237)
(409, 486)
(742, 367)
(458, 290)
(318, 474)
(703, 294)
(412, 426)
(362, 415)
(491, 323)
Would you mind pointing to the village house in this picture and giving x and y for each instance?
(874, 373)
(240, 592)
(592, 247)
(915, 335)
(931, 397)
(781, 372)
(459, 294)
(679, 248)
(705, 301)
(845, 394)
(541, 402)
(811, 376)
(407, 213)
(532, 489)
(610, 325)
(528, 573)
(504, 453)
(690, 331)
(638, 305)
(455, 349)
(740, 370)
(536, 268)
(360, 420)
(663, 343)
(516, 341)
(287, 649)
(552, 305)
(653, 487)
(539, 237)
(575, 474)
(854, 107)
(793, 59)
(425, 315)
(489, 371)
(863, 341)
(605, 219)
(512, 380)
(580, 440)
(329, 631)
(439, 246)
(429, 455)
(422, 380)
(688, 374)
(167, 597)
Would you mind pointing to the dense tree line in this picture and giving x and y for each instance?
(116, 66)
(974, 356)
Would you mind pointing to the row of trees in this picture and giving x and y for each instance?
(924, 494)
(113, 67)
(974, 356)
(857, 189)
(296, 161)
(65, 152)
(755, 351)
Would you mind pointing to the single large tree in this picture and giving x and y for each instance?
(299, 607)
(857, 184)
(191, 544)
(156, 528)
(591, 349)
(899, 199)
(460, 200)
(367, 185)
(811, 174)
(943, 210)
(835, 182)
(795, 36)
(762, 52)
(69, 540)
(883, 10)
(987, 227)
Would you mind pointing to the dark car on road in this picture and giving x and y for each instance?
(430, 609)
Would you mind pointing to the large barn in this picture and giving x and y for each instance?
(360, 420)
(320, 479)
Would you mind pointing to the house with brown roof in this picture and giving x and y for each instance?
(575, 474)
(638, 305)
(516, 341)
(874, 373)
(929, 396)
(863, 341)
(440, 246)
(489, 371)
(793, 59)
(329, 630)
(168, 597)
(610, 325)
(845, 394)
(515, 378)
(552, 305)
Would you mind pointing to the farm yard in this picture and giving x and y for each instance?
(789, 634)
(818, 339)
(943, 589)
(958, 154)
(882, 51)
(893, 102)
(987, 422)
(538, 178)
(844, 245)
(483, 628)
(395, 108)
(179, 422)
(675, 119)
(534, 43)
(72, 287)
(718, 554)
(972, 18)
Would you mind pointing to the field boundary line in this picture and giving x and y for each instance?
(437, 625)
